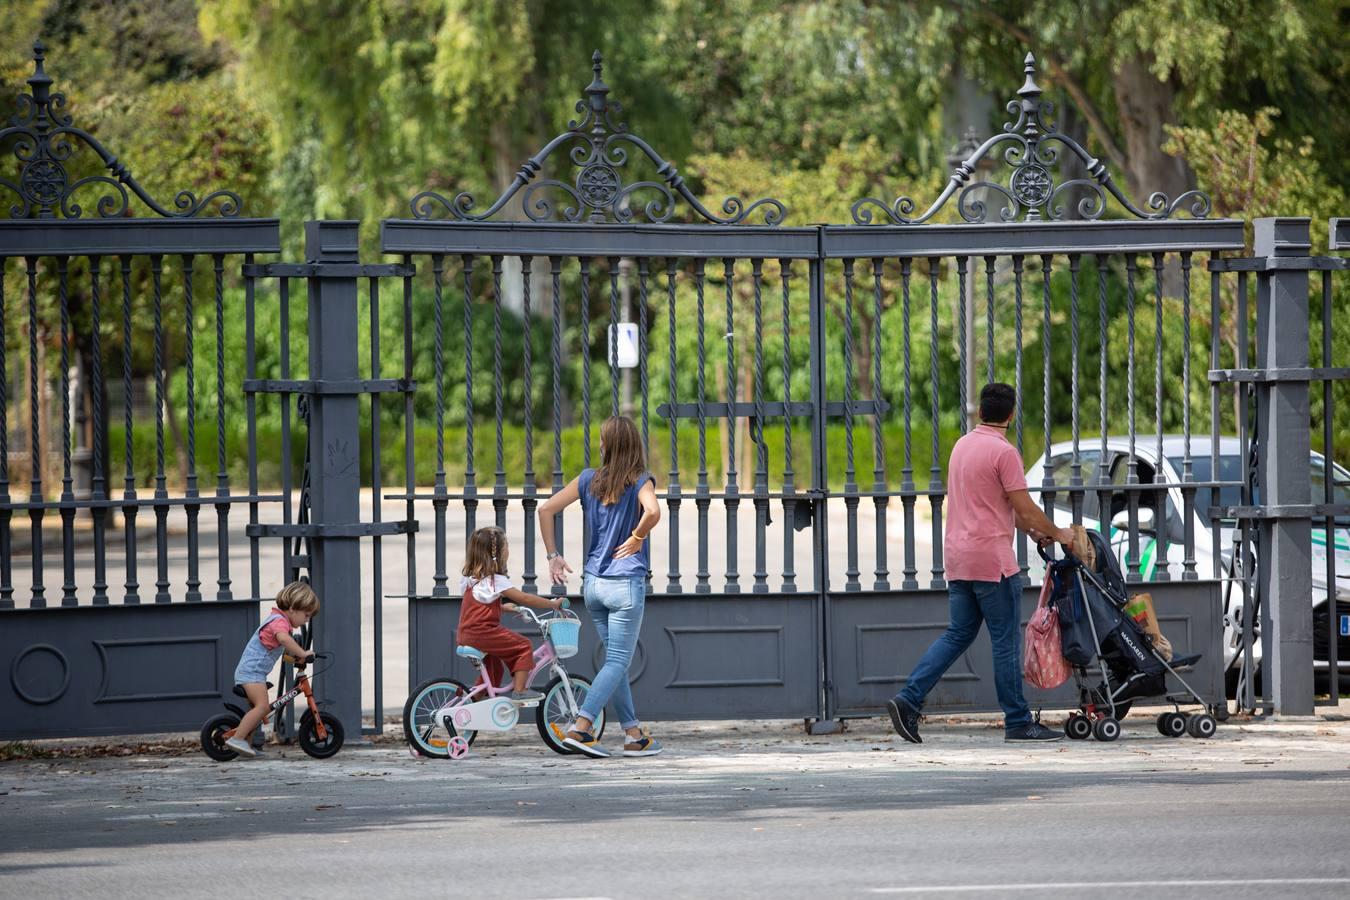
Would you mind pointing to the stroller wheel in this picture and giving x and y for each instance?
(1107, 729)
(1078, 727)
(1202, 726)
(1172, 724)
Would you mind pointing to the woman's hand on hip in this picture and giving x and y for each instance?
(559, 570)
(628, 547)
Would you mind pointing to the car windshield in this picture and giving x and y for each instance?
(1230, 469)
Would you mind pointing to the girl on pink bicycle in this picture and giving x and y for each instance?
(484, 587)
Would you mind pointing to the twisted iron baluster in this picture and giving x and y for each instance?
(35, 496)
(499, 501)
(907, 497)
(1076, 472)
(702, 501)
(528, 504)
(789, 504)
(761, 488)
(68, 597)
(439, 501)
(851, 582)
(1161, 569)
(193, 510)
(132, 587)
(731, 498)
(1133, 477)
(935, 471)
(672, 424)
(1188, 572)
(470, 469)
(961, 263)
(880, 500)
(6, 553)
(98, 485)
(222, 476)
(555, 270)
(161, 489)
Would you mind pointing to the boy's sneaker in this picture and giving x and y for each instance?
(243, 748)
(905, 718)
(645, 745)
(526, 698)
(585, 742)
(1033, 733)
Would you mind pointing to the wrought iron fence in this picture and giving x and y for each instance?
(762, 351)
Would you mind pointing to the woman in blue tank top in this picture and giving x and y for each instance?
(619, 509)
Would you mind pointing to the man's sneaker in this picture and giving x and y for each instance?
(905, 718)
(645, 745)
(585, 742)
(243, 748)
(526, 698)
(1035, 732)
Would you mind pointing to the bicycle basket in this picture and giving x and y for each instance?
(565, 635)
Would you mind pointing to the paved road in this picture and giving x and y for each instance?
(751, 811)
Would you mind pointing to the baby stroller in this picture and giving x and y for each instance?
(1096, 632)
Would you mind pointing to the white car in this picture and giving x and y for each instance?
(1151, 470)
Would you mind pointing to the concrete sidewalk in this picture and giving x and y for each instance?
(729, 810)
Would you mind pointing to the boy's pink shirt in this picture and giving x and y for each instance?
(983, 470)
(270, 635)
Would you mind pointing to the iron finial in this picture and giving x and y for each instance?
(40, 81)
(1030, 89)
(597, 88)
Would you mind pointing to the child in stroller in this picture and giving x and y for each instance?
(1094, 630)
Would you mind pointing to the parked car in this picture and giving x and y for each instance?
(1151, 470)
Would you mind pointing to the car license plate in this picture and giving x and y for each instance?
(1345, 626)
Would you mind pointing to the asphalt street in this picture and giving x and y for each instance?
(748, 810)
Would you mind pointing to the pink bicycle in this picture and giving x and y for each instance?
(443, 716)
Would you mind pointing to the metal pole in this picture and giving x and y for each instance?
(1284, 467)
(334, 447)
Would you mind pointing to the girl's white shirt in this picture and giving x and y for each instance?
(487, 589)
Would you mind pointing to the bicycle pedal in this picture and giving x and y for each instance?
(526, 704)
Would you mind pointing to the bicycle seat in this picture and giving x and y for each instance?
(239, 690)
(469, 652)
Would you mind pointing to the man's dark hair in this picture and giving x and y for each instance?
(997, 402)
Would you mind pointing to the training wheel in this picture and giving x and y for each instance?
(458, 747)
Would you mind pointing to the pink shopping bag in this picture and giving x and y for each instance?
(1042, 662)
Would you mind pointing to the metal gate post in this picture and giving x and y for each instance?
(334, 465)
(820, 486)
(1284, 474)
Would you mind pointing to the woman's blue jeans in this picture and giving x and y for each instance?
(616, 606)
(997, 604)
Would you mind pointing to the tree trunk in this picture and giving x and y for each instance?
(1145, 106)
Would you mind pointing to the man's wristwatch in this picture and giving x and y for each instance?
(552, 556)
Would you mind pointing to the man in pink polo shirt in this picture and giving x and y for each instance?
(987, 501)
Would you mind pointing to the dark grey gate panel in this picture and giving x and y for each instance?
(92, 670)
(699, 657)
(877, 638)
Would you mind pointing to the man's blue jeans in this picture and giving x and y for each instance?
(616, 606)
(997, 604)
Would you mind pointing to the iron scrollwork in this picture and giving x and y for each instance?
(1033, 149)
(45, 137)
(599, 147)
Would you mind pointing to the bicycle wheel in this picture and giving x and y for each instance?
(426, 735)
(213, 737)
(309, 737)
(554, 711)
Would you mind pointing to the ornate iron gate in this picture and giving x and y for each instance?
(749, 334)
